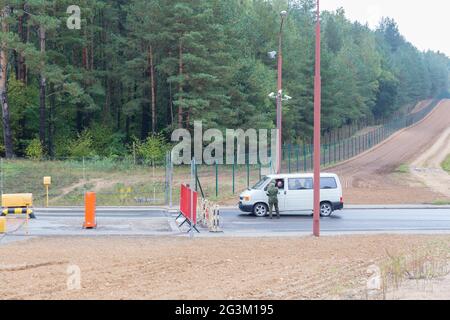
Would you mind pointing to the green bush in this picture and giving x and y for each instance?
(35, 150)
(62, 145)
(82, 146)
(106, 142)
(153, 149)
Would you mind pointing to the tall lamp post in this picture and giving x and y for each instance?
(283, 15)
(317, 129)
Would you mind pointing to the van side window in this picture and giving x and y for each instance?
(300, 184)
(328, 183)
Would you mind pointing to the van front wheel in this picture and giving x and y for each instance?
(326, 209)
(260, 210)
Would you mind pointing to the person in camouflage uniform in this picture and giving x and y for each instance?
(272, 193)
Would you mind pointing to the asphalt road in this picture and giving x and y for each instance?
(346, 221)
(235, 223)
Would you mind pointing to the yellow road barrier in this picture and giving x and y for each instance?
(18, 203)
(2, 225)
(17, 200)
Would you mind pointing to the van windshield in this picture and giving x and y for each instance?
(260, 184)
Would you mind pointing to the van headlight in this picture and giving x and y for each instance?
(247, 198)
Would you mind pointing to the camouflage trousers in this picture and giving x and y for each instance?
(277, 209)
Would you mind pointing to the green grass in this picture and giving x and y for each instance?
(117, 182)
(441, 203)
(446, 164)
(70, 179)
(423, 263)
(404, 168)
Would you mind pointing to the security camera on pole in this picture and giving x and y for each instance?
(279, 96)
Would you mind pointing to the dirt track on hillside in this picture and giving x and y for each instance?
(371, 179)
(427, 167)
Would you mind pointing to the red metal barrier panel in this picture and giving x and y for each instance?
(185, 204)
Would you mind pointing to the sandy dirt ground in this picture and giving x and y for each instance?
(370, 178)
(215, 268)
(427, 167)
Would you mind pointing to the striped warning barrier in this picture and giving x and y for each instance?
(17, 211)
(210, 216)
(215, 220)
(26, 211)
(204, 213)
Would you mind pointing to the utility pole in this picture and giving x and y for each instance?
(317, 129)
(283, 15)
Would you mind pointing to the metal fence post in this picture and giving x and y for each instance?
(329, 153)
(348, 149)
(234, 178)
(260, 171)
(324, 151)
(170, 180)
(153, 179)
(289, 157)
(345, 149)
(1, 175)
(84, 176)
(191, 193)
(305, 160)
(217, 179)
(248, 173)
(353, 147)
(166, 182)
(134, 153)
(196, 176)
(334, 147)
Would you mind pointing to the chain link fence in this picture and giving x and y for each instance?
(299, 158)
(118, 182)
(134, 182)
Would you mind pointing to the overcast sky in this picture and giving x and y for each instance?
(426, 24)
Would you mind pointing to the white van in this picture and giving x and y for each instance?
(296, 195)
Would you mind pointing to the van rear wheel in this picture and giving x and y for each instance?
(326, 209)
(260, 210)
